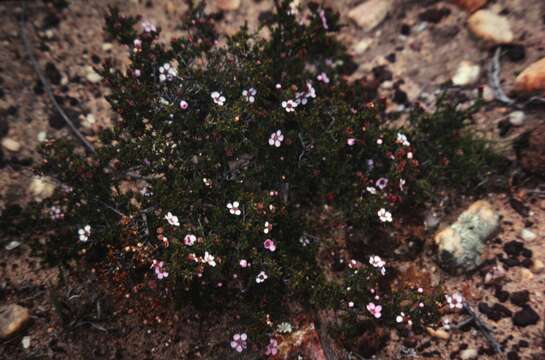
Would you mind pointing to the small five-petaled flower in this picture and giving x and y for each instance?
(276, 138)
(375, 310)
(218, 98)
(84, 233)
(384, 215)
(239, 342)
(234, 208)
(261, 277)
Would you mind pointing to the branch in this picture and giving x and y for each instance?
(494, 70)
(483, 328)
(36, 66)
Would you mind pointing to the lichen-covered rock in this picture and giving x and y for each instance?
(13, 318)
(460, 245)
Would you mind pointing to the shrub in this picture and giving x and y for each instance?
(232, 166)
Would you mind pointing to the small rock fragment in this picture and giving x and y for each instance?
(491, 27)
(362, 46)
(516, 118)
(532, 79)
(527, 234)
(41, 188)
(11, 144)
(26, 342)
(92, 75)
(13, 319)
(466, 74)
(469, 354)
(107, 46)
(471, 5)
(537, 266)
(439, 333)
(520, 298)
(12, 245)
(371, 13)
(460, 244)
(228, 5)
(525, 317)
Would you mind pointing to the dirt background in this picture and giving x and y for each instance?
(69, 42)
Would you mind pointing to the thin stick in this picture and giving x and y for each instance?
(484, 329)
(35, 65)
(494, 70)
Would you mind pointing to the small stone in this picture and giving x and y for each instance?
(527, 235)
(41, 188)
(12, 245)
(13, 319)
(26, 342)
(42, 136)
(537, 266)
(439, 333)
(491, 27)
(526, 275)
(434, 15)
(362, 46)
(520, 298)
(371, 13)
(107, 46)
(11, 144)
(471, 5)
(469, 354)
(92, 75)
(460, 245)
(525, 317)
(488, 94)
(516, 118)
(467, 74)
(228, 5)
(515, 52)
(532, 79)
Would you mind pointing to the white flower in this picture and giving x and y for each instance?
(261, 277)
(456, 301)
(207, 182)
(249, 95)
(371, 190)
(400, 317)
(234, 208)
(384, 215)
(276, 138)
(239, 342)
(167, 72)
(402, 183)
(409, 155)
(323, 77)
(402, 139)
(289, 105)
(350, 304)
(379, 141)
(172, 220)
(209, 259)
(148, 26)
(268, 227)
(376, 261)
(218, 98)
(84, 233)
(284, 328)
(190, 239)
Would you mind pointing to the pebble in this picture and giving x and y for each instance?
(525, 317)
(92, 75)
(11, 144)
(371, 13)
(471, 5)
(491, 27)
(526, 275)
(488, 93)
(42, 136)
(467, 74)
(107, 46)
(537, 266)
(228, 5)
(532, 79)
(362, 46)
(528, 235)
(12, 245)
(26, 342)
(517, 118)
(13, 319)
(41, 188)
(468, 354)
(439, 333)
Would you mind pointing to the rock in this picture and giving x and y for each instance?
(11, 144)
(14, 244)
(13, 318)
(527, 235)
(460, 245)
(107, 46)
(228, 5)
(469, 354)
(525, 317)
(26, 342)
(434, 15)
(92, 75)
(530, 150)
(526, 275)
(520, 298)
(439, 333)
(515, 52)
(41, 188)
(532, 79)
(516, 118)
(466, 74)
(471, 5)
(305, 341)
(537, 266)
(491, 27)
(362, 46)
(371, 13)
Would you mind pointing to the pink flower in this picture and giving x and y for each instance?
(239, 342)
(374, 310)
(381, 183)
(269, 245)
(137, 73)
(289, 105)
(272, 348)
(323, 78)
(244, 263)
(157, 266)
(456, 301)
(148, 26)
(190, 239)
(351, 142)
(184, 105)
(276, 138)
